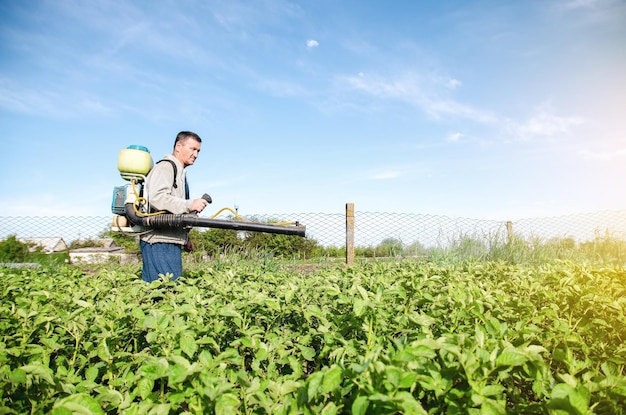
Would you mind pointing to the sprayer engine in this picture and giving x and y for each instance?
(131, 210)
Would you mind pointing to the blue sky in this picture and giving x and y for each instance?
(479, 109)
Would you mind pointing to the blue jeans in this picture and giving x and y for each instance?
(161, 258)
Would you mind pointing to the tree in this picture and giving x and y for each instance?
(416, 249)
(469, 247)
(12, 250)
(216, 241)
(390, 247)
(282, 245)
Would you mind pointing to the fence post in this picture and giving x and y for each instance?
(349, 233)
(509, 231)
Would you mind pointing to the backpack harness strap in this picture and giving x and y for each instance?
(174, 185)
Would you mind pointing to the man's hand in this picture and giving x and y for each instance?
(198, 205)
(189, 246)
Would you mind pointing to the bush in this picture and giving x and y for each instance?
(12, 250)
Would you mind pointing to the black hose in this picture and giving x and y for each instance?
(180, 221)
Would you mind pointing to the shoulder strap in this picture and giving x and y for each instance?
(174, 185)
(175, 170)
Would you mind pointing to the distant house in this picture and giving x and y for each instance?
(99, 251)
(102, 251)
(48, 245)
(106, 243)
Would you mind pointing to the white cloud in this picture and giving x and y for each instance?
(606, 155)
(15, 98)
(50, 103)
(577, 4)
(454, 137)
(437, 107)
(427, 95)
(453, 83)
(594, 12)
(543, 124)
(312, 43)
(386, 175)
(449, 83)
(412, 89)
(281, 88)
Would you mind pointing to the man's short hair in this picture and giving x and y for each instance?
(186, 135)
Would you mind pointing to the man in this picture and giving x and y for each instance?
(166, 188)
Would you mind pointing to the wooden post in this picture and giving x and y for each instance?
(509, 231)
(349, 233)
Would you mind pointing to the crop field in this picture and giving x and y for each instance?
(397, 337)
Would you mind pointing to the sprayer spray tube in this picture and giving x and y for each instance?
(185, 220)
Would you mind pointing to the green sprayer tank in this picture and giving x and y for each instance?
(134, 161)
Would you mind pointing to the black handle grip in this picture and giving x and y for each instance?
(207, 198)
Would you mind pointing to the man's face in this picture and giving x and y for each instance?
(187, 151)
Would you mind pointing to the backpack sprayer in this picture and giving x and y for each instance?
(131, 210)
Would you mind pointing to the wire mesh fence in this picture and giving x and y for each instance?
(370, 228)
